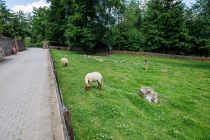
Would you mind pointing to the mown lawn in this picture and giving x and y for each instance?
(118, 112)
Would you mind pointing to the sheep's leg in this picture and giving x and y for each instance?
(99, 84)
(88, 85)
(66, 64)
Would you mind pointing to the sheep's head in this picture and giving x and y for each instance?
(87, 87)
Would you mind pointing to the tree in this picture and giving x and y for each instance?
(164, 27)
(79, 32)
(57, 21)
(126, 34)
(39, 24)
(152, 28)
(198, 24)
(90, 24)
(21, 25)
(5, 20)
(13, 24)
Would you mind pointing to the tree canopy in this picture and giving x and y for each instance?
(165, 26)
(13, 24)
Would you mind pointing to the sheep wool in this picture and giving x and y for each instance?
(64, 61)
(149, 94)
(93, 77)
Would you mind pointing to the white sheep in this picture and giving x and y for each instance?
(64, 61)
(93, 77)
(152, 97)
(100, 60)
(149, 94)
(164, 70)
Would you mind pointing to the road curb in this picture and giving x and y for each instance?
(60, 128)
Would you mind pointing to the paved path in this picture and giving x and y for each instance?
(25, 109)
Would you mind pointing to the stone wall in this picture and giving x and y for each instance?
(7, 44)
(1, 54)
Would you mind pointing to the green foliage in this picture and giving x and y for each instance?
(118, 112)
(13, 24)
(89, 25)
(39, 24)
(77, 34)
(198, 24)
(29, 42)
(4, 20)
(21, 24)
(164, 27)
(126, 34)
(57, 21)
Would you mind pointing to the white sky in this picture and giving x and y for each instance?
(26, 5)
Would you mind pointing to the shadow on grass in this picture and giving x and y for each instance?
(188, 64)
(198, 65)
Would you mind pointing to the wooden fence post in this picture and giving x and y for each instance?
(68, 123)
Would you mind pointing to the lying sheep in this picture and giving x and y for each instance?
(164, 70)
(64, 61)
(93, 77)
(149, 94)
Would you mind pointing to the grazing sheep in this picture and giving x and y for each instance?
(64, 61)
(149, 94)
(100, 60)
(93, 77)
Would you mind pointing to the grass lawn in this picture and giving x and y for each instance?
(118, 112)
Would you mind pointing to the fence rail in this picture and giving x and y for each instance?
(66, 116)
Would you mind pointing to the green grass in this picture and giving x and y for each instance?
(118, 112)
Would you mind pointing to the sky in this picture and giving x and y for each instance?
(27, 5)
